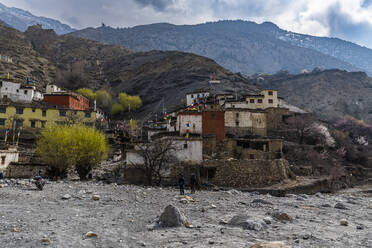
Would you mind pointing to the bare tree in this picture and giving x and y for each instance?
(157, 157)
(300, 126)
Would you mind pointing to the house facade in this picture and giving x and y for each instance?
(19, 93)
(189, 120)
(196, 96)
(241, 122)
(8, 156)
(69, 100)
(40, 115)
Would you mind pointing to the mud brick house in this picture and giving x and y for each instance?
(241, 122)
(70, 100)
(17, 92)
(196, 96)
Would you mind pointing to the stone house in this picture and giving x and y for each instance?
(8, 156)
(241, 122)
(193, 119)
(196, 96)
(51, 88)
(265, 99)
(19, 93)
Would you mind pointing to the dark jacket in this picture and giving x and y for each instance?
(193, 180)
(181, 182)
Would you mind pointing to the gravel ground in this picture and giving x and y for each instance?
(125, 216)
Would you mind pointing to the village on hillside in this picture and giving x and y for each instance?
(224, 138)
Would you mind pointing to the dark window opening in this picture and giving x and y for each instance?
(19, 123)
(271, 101)
(25, 92)
(62, 113)
(33, 109)
(2, 122)
(243, 144)
(251, 100)
(237, 115)
(44, 113)
(87, 114)
(3, 110)
(43, 124)
(237, 123)
(32, 124)
(19, 111)
(251, 156)
(3, 160)
(259, 100)
(270, 93)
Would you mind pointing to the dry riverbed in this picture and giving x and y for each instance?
(65, 214)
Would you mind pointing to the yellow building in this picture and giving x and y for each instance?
(266, 99)
(40, 115)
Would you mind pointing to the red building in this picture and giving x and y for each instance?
(214, 123)
(70, 100)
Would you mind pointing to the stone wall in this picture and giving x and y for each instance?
(235, 173)
(20, 170)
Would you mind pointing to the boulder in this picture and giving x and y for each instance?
(172, 217)
(66, 197)
(91, 235)
(282, 217)
(340, 205)
(245, 222)
(270, 245)
(344, 223)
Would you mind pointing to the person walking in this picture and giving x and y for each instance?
(193, 183)
(181, 184)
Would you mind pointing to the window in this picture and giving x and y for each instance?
(259, 100)
(75, 112)
(19, 123)
(271, 101)
(17, 91)
(87, 114)
(185, 146)
(2, 122)
(3, 110)
(237, 123)
(237, 115)
(251, 100)
(270, 93)
(251, 156)
(32, 123)
(43, 113)
(33, 110)
(62, 113)
(19, 111)
(193, 126)
(43, 124)
(3, 160)
(192, 96)
(25, 92)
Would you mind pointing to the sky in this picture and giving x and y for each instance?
(346, 19)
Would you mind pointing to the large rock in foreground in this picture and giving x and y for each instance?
(172, 217)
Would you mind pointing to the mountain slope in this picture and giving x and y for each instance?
(240, 46)
(21, 20)
(329, 93)
(158, 77)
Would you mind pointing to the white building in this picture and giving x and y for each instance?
(51, 88)
(193, 121)
(185, 150)
(19, 93)
(7, 157)
(195, 96)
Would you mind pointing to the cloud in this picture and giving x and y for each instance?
(346, 19)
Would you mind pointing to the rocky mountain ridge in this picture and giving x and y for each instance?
(240, 46)
(21, 20)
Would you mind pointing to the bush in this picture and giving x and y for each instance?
(116, 109)
(88, 93)
(130, 102)
(65, 147)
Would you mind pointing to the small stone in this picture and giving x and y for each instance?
(66, 197)
(184, 201)
(91, 235)
(211, 242)
(359, 227)
(188, 225)
(319, 195)
(340, 205)
(270, 245)
(14, 229)
(213, 206)
(344, 223)
(2, 186)
(96, 197)
(244, 222)
(267, 220)
(326, 205)
(46, 241)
